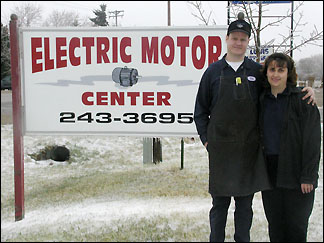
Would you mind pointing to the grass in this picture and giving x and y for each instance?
(113, 175)
(175, 228)
(6, 119)
(106, 172)
(150, 182)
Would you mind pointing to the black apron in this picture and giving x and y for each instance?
(236, 162)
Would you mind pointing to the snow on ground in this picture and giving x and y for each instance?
(99, 211)
(96, 212)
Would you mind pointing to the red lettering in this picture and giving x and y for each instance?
(148, 50)
(214, 41)
(163, 97)
(133, 96)
(151, 49)
(147, 97)
(88, 42)
(85, 97)
(49, 63)
(183, 42)
(102, 53)
(74, 43)
(115, 49)
(118, 98)
(101, 98)
(167, 41)
(198, 41)
(114, 97)
(36, 55)
(126, 41)
(60, 42)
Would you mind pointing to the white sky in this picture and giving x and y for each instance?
(154, 13)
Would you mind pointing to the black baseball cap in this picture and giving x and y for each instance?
(239, 25)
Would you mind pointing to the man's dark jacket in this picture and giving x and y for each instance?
(209, 87)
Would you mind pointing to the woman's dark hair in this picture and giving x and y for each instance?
(282, 60)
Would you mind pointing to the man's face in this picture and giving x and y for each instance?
(237, 43)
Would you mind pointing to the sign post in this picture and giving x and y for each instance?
(17, 124)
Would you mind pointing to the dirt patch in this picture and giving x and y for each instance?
(6, 119)
(6, 107)
(319, 96)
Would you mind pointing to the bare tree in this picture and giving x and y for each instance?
(62, 18)
(311, 67)
(201, 13)
(29, 14)
(255, 12)
(85, 21)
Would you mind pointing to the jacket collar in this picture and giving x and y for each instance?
(292, 89)
(246, 63)
(289, 90)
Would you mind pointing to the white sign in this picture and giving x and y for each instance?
(264, 53)
(119, 81)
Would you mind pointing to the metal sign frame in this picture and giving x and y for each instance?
(229, 17)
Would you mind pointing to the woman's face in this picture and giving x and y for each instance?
(277, 76)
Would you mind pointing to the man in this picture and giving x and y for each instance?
(226, 119)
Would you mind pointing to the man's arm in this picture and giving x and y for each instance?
(202, 112)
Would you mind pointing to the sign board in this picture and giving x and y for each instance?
(264, 53)
(117, 81)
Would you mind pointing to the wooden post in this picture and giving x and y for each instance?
(182, 153)
(169, 14)
(16, 118)
(147, 150)
(157, 150)
(291, 29)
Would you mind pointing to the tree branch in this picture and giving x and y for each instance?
(315, 37)
(198, 6)
(279, 20)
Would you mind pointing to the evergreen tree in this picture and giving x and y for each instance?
(101, 16)
(5, 52)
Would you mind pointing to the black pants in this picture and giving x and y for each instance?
(242, 218)
(286, 210)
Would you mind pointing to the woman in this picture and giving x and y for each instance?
(291, 138)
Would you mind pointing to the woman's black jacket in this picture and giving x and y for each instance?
(300, 141)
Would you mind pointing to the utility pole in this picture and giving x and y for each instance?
(115, 14)
(228, 12)
(169, 13)
(291, 29)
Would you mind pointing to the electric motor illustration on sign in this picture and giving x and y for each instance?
(125, 76)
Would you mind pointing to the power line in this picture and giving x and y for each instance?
(115, 14)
